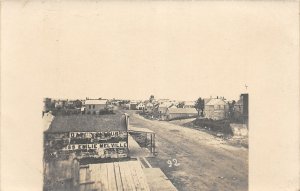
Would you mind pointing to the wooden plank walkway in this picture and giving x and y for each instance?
(135, 150)
(132, 128)
(114, 176)
(157, 180)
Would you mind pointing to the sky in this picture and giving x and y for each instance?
(183, 53)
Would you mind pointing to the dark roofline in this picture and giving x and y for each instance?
(88, 123)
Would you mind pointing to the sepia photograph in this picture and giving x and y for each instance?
(151, 144)
(166, 95)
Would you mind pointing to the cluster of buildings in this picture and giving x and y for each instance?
(86, 151)
(86, 106)
(163, 109)
(214, 108)
(56, 104)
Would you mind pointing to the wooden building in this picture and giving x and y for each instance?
(87, 136)
(216, 109)
(180, 113)
(95, 106)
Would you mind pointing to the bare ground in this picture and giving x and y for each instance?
(206, 162)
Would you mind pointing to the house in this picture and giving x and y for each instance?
(163, 107)
(87, 136)
(216, 109)
(60, 104)
(95, 106)
(71, 104)
(180, 113)
(133, 105)
(189, 104)
(241, 108)
(149, 107)
(141, 106)
(126, 106)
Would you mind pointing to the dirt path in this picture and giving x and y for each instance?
(205, 162)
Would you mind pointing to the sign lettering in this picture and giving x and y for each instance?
(95, 146)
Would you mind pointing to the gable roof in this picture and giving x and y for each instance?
(88, 123)
(215, 101)
(206, 100)
(183, 110)
(95, 101)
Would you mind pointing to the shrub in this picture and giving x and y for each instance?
(222, 126)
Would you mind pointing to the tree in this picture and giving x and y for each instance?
(180, 104)
(78, 103)
(151, 98)
(231, 109)
(200, 106)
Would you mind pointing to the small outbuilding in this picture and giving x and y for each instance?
(180, 113)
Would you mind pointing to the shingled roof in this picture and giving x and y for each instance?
(216, 101)
(88, 123)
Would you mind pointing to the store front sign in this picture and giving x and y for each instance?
(95, 146)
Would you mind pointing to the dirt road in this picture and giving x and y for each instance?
(203, 162)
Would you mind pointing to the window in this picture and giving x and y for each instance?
(89, 106)
(93, 106)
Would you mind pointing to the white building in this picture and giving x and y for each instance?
(94, 106)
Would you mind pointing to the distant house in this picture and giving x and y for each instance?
(189, 104)
(140, 106)
(241, 108)
(77, 103)
(94, 106)
(179, 113)
(60, 104)
(162, 108)
(71, 104)
(126, 106)
(216, 109)
(149, 107)
(133, 105)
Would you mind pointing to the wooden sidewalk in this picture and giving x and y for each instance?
(115, 176)
(135, 150)
(157, 180)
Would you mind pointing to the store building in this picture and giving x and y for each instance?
(87, 136)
